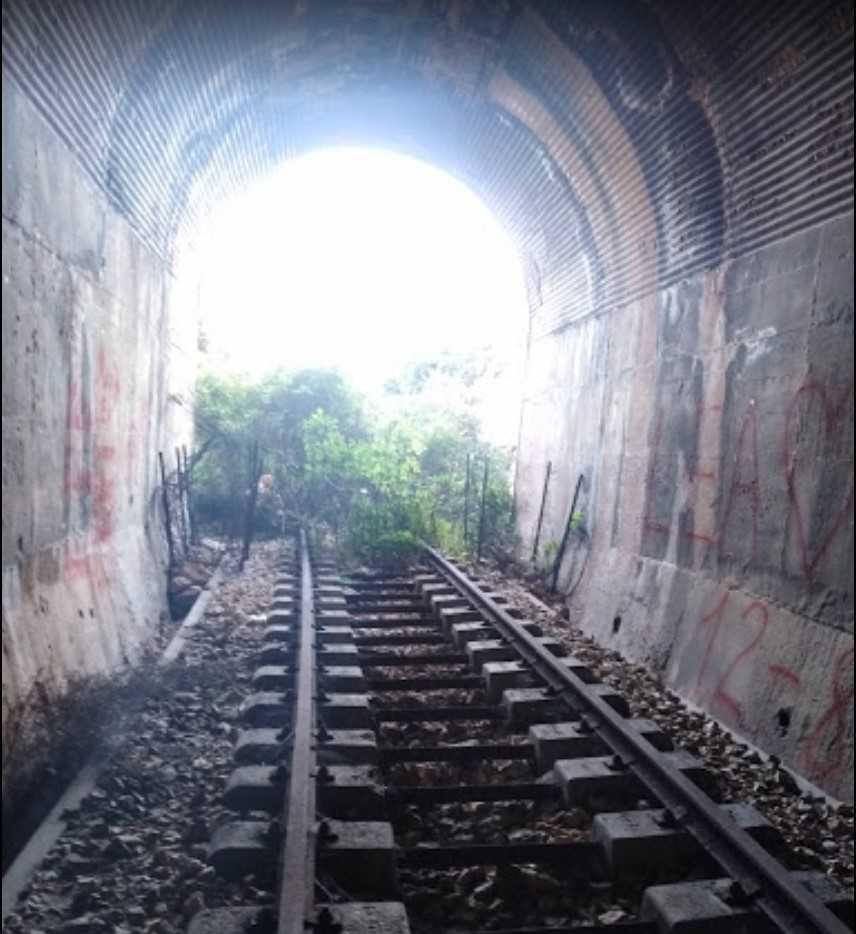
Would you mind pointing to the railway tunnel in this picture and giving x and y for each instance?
(678, 183)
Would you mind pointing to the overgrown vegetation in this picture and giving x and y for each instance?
(376, 483)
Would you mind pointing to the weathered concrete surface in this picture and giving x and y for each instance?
(713, 424)
(91, 362)
(632, 151)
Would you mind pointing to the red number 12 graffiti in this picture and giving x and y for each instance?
(717, 616)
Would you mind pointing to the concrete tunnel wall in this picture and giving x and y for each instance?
(679, 183)
(713, 426)
(95, 366)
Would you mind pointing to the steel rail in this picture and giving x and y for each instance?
(761, 879)
(297, 866)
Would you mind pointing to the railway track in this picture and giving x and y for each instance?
(417, 758)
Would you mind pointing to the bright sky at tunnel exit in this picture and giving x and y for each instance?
(362, 260)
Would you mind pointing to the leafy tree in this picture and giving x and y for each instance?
(375, 484)
(227, 413)
(232, 412)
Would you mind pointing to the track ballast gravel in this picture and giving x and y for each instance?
(133, 857)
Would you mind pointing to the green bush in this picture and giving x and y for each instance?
(373, 486)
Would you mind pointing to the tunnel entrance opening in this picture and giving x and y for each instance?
(373, 263)
(681, 189)
(364, 323)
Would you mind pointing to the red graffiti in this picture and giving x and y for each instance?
(90, 457)
(780, 671)
(825, 751)
(89, 568)
(758, 612)
(102, 492)
(79, 482)
(79, 411)
(701, 537)
(721, 694)
(716, 615)
(77, 566)
(107, 389)
(98, 486)
(744, 492)
(833, 410)
(699, 475)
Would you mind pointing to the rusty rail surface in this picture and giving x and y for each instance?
(297, 867)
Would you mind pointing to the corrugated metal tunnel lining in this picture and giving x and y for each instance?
(679, 181)
(625, 146)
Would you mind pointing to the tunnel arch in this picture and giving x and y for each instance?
(170, 107)
(173, 105)
(362, 258)
(678, 180)
(182, 87)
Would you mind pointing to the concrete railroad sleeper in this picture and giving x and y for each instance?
(326, 697)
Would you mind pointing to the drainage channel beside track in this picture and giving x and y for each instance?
(419, 758)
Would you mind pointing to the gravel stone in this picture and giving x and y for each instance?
(133, 856)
